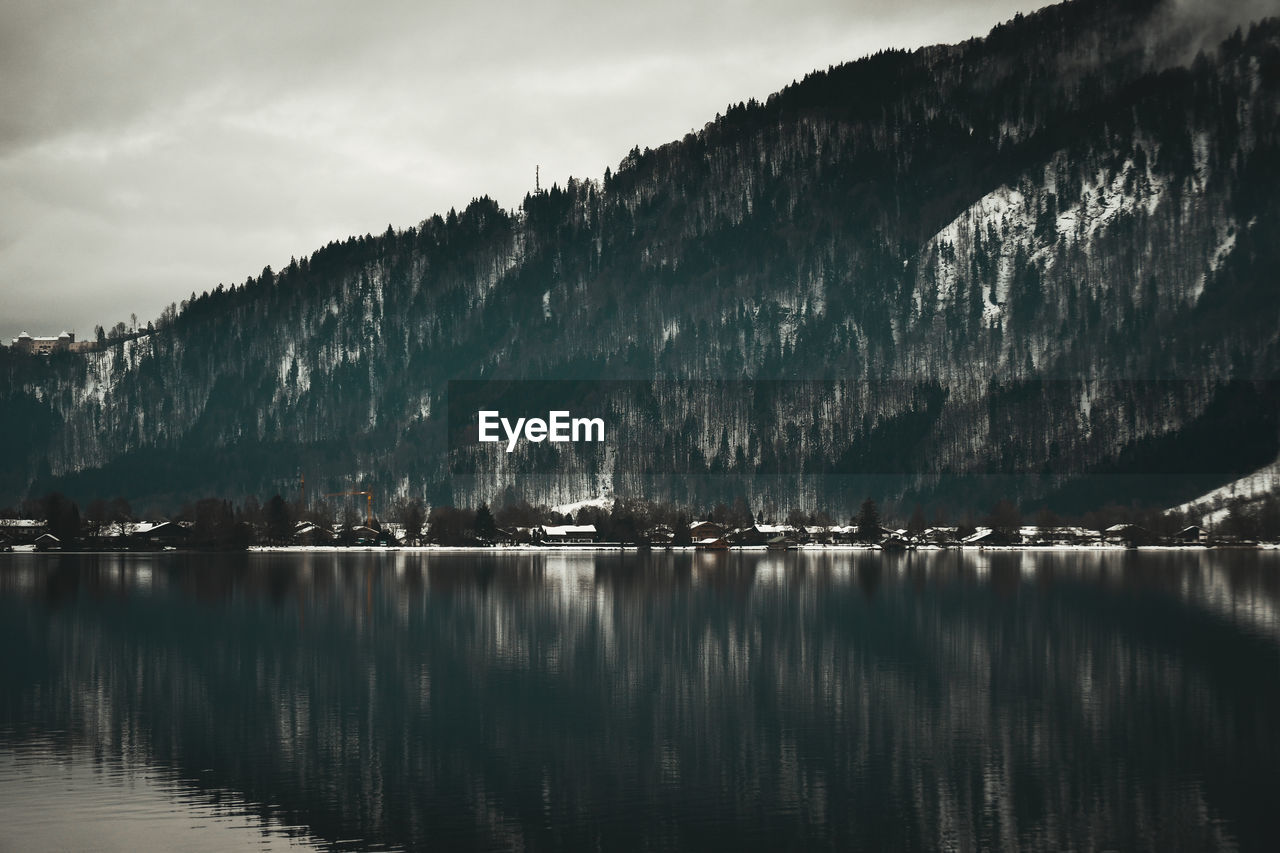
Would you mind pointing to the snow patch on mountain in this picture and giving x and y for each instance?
(1215, 505)
(998, 222)
(1105, 198)
(1216, 257)
(99, 381)
(295, 375)
(603, 501)
(670, 328)
(1003, 222)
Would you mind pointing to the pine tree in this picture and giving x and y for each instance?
(869, 522)
(916, 526)
(485, 527)
(412, 521)
(279, 523)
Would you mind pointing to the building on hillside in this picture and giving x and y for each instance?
(65, 342)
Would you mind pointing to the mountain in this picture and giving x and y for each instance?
(1038, 265)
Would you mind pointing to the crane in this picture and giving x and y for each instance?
(368, 502)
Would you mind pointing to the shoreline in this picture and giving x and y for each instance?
(618, 548)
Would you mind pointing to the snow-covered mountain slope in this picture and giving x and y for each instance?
(1213, 507)
(1038, 265)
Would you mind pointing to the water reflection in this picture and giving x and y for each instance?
(1044, 700)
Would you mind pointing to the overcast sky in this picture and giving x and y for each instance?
(149, 149)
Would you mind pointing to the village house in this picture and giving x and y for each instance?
(940, 535)
(1125, 534)
(1193, 535)
(660, 535)
(307, 533)
(364, 535)
(763, 534)
(164, 534)
(699, 530)
(566, 534)
(986, 536)
(894, 542)
(21, 531)
(843, 534)
(513, 535)
(1060, 535)
(818, 534)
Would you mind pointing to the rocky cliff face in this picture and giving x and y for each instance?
(1039, 264)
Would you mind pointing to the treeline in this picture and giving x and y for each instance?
(217, 524)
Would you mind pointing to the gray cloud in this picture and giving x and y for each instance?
(149, 149)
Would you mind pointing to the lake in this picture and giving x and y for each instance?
(1087, 700)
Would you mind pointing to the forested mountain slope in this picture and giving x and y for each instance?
(1037, 264)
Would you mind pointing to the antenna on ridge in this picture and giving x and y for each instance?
(537, 178)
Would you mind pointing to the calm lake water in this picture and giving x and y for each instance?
(1015, 700)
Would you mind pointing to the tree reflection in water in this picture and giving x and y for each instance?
(1043, 700)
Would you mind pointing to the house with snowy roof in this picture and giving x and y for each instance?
(762, 534)
(987, 536)
(309, 533)
(1193, 535)
(1126, 534)
(699, 530)
(21, 531)
(162, 534)
(567, 534)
